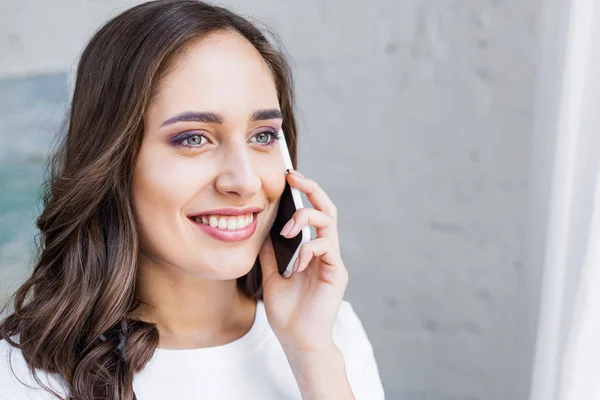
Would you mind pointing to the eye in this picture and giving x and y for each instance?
(265, 138)
(193, 140)
(189, 140)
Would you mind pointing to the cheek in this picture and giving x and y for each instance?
(163, 185)
(273, 181)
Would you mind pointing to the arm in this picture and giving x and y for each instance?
(302, 308)
(320, 374)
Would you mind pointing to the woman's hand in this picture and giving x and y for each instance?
(302, 309)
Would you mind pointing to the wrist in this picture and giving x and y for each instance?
(302, 356)
(320, 373)
(327, 347)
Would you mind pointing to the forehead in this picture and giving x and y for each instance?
(222, 72)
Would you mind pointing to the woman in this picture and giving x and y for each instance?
(172, 137)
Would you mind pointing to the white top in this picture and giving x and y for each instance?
(252, 367)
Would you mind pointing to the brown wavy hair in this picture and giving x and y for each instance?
(73, 315)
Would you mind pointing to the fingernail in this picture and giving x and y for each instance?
(296, 265)
(287, 227)
(295, 173)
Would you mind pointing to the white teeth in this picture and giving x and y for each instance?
(245, 220)
(232, 224)
(223, 222)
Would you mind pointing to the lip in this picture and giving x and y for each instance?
(229, 235)
(229, 211)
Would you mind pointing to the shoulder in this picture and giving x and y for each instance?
(16, 379)
(351, 338)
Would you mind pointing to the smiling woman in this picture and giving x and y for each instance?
(156, 276)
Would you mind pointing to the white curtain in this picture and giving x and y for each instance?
(567, 354)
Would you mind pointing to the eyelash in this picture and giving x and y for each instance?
(179, 140)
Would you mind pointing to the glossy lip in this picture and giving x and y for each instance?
(229, 211)
(229, 235)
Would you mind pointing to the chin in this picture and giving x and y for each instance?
(227, 270)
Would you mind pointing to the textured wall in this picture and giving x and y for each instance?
(416, 117)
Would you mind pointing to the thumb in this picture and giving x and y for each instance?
(268, 262)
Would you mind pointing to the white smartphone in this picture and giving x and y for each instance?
(287, 250)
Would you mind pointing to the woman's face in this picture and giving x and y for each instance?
(209, 173)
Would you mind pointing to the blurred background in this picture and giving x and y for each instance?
(418, 118)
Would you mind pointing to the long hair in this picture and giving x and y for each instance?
(73, 315)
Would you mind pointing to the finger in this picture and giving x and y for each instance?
(332, 269)
(314, 193)
(268, 262)
(321, 248)
(325, 224)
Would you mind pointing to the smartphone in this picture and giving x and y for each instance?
(287, 250)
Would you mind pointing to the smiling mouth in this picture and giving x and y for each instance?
(226, 222)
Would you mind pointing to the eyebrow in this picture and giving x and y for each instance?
(214, 118)
(263, 115)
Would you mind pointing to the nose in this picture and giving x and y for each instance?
(237, 175)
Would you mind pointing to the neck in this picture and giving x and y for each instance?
(191, 312)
